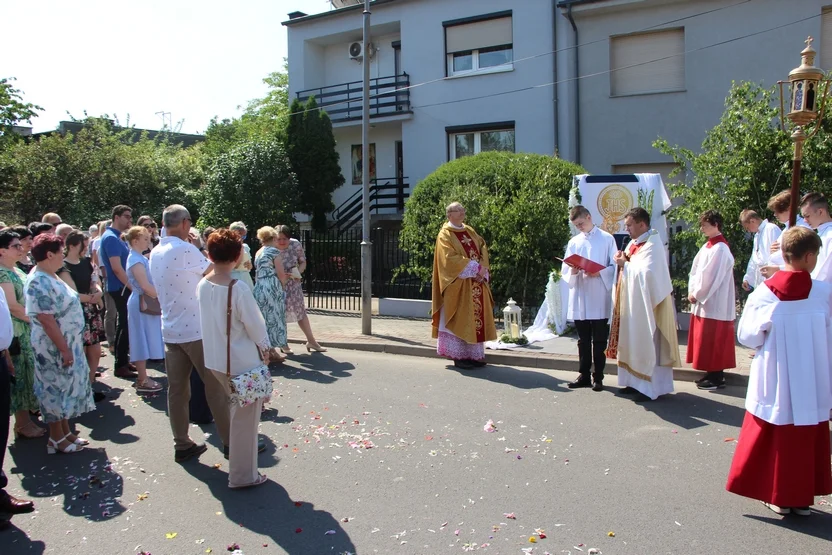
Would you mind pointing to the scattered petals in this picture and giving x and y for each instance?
(532, 539)
(217, 465)
(233, 547)
(170, 535)
(510, 515)
(298, 530)
(729, 439)
(329, 533)
(298, 504)
(540, 533)
(611, 534)
(489, 426)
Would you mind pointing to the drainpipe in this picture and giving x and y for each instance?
(577, 88)
(555, 72)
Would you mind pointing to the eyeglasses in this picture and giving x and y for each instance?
(150, 226)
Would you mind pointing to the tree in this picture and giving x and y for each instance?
(517, 202)
(744, 160)
(252, 182)
(83, 176)
(311, 148)
(13, 111)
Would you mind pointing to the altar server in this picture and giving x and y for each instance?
(590, 296)
(814, 208)
(765, 233)
(713, 305)
(643, 325)
(782, 457)
(780, 205)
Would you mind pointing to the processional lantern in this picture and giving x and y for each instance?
(511, 319)
(808, 93)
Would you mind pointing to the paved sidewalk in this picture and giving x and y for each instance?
(408, 336)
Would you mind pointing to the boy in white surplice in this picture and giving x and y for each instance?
(782, 457)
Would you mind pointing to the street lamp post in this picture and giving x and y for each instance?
(366, 244)
(805, 83)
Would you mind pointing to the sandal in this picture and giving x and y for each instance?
(29, 431)
(275, 356)
(261, 479)
(148, 386)
(52, 446)
(78, 440)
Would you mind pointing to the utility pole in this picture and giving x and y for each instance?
(366, 245)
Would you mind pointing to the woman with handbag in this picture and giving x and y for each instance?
(144, 315)
(79, 274)
(235, 343)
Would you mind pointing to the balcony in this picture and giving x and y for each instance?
(389, 96)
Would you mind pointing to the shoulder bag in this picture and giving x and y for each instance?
(250, 386)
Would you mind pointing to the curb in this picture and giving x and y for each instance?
(544, 362)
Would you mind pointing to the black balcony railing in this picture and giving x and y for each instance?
(389, 96)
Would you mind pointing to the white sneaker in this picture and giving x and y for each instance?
(778, 510)
(802, 511)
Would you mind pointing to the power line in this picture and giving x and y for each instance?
(539, 55)
(608, 71)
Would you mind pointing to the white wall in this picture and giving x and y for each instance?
(384, 135)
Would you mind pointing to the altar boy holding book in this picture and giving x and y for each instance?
(782, 457)
(590, 296)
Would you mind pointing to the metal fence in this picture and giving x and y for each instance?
(333, 270)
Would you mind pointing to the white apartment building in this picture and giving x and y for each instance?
(596, 81)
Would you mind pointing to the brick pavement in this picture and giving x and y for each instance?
(411, 336)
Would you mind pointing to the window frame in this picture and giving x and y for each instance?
(477, 130)
(614, 71)
(475, 53)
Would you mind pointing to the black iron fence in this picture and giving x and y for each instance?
(389, 96)
(333, 271)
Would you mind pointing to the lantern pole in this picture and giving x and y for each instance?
(799, 138)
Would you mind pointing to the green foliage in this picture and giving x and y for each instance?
(251, 182)
(745, 160)
(517, 202)
(13, 111)
(506, 338)
(311, 147)
(81, 177)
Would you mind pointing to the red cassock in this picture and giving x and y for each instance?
(711, 344)
(785, 465)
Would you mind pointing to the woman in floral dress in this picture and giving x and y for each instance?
(62, 379)
(294, 264)
(23, 390)
(269, 289)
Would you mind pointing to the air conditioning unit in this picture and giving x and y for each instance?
(357, 51)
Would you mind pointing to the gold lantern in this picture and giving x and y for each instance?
(805, 82)
(511, 319)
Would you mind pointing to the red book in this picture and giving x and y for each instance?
(581, 263)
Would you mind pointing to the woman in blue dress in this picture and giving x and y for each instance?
(269, 291)
(62, 376)
(144, 329)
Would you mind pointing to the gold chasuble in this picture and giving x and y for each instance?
(469, 307)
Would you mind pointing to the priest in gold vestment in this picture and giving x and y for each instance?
(643, 333)
(462, 310)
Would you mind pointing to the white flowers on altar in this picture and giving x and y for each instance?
(554, 304)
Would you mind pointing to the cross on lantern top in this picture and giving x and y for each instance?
(809, 41)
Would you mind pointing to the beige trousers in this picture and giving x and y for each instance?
(180, 358)
(242, 452)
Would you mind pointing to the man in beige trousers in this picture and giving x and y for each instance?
(176, 267)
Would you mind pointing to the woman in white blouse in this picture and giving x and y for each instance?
(249, 342)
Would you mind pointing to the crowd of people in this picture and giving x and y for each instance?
(152, 295)
(622, 305)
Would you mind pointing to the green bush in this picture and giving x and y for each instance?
(251, 182)
(517, 202)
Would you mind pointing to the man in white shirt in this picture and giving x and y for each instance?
(177, 267)
(589, 296)
(765, 234)
(780, 206)
(814, 207)
(9, 506)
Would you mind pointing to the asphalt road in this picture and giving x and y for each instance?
(374, 453)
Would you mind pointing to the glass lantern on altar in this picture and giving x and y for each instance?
(511, 319)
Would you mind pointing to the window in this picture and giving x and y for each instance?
(646, 63)
(470, 140)
(825, 39)
(479, 44)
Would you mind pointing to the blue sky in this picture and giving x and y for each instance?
(194, 59)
